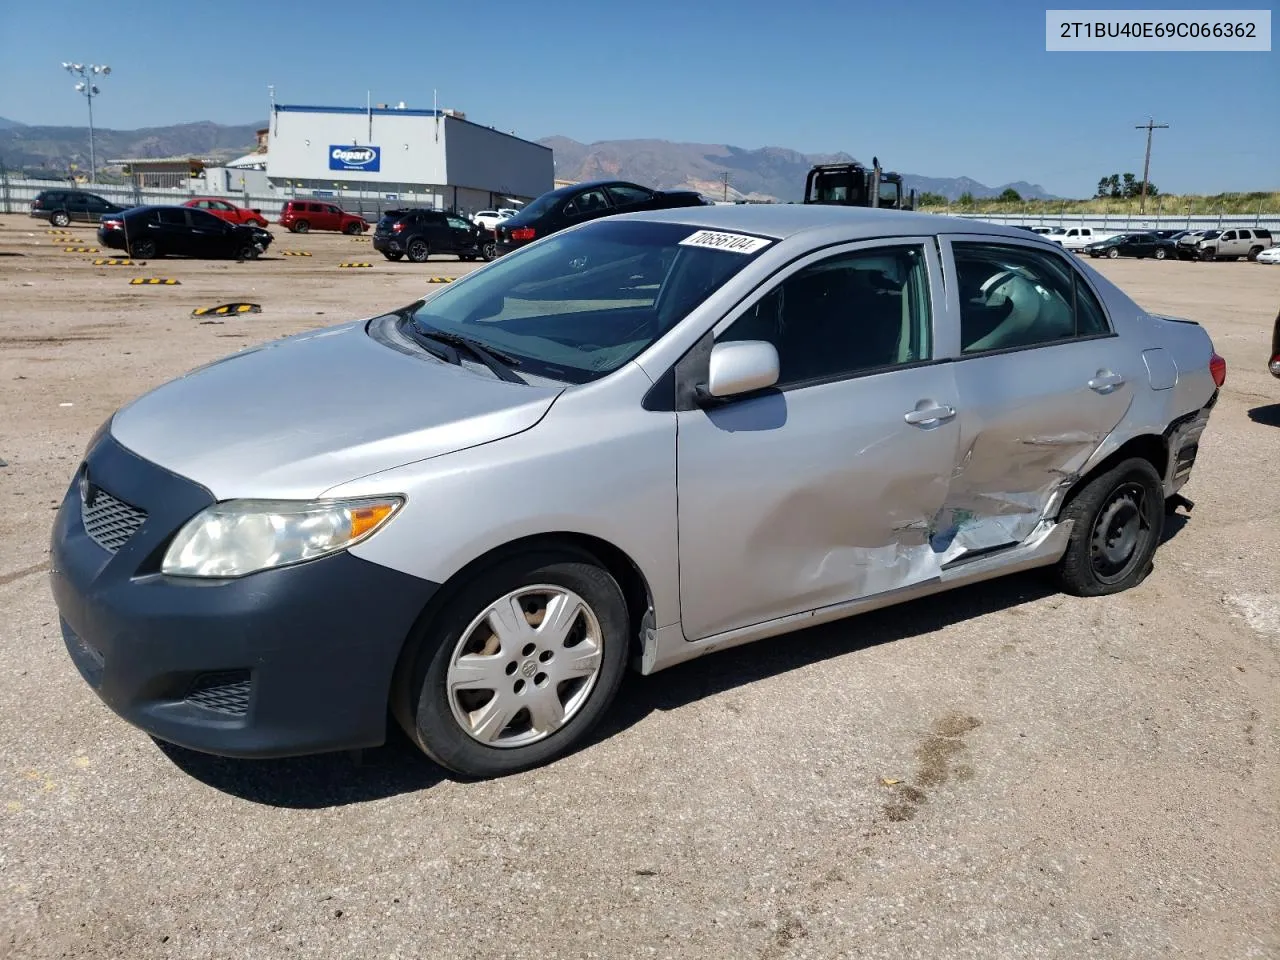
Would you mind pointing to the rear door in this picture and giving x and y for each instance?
(1042, 379)
(78, 205)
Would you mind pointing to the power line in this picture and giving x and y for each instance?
(1149, 126)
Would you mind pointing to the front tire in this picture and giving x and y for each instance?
(1113, 253)
(352, 229)
(248, 251)
(489, 252)
(519, 667)
(1119, 518)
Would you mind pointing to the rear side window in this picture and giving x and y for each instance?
(1012, 297)
(176, 218)
(1262, 234)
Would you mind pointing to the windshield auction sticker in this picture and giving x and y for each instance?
(1155, 30)
(733, 242)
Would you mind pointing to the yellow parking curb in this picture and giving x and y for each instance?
(295, 253)
(113, 262)
(80, 250)
(441, 279)
(227, 308)
(165, 281)
(355, 264)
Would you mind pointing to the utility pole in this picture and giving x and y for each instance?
(1146, 164)
(725, 177)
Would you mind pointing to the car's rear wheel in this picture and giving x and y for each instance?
(1113, 253)
(143, 249)
(518, 667)
(60, 219)
(419, 251)
(393, 256)
(300, 226)
(1160, 253)
(1118, 520)
(1253, 253)
(352, 229)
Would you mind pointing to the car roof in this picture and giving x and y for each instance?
(781, 221)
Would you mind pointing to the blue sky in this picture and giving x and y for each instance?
(934, 88)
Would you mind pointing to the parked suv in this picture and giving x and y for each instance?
(1230, 244)
(300, 216)
(418, 234)
(60, 207)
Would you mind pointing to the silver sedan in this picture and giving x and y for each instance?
(633, 442)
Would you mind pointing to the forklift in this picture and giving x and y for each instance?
(853, 185)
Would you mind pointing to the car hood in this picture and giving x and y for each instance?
(293, 418)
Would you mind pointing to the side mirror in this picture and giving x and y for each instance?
(738, 367)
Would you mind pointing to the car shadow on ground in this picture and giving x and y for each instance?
(1268, 415)
(338, 779)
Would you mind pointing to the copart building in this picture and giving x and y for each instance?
(429, 157)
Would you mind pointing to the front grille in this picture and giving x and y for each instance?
(110, 522)
(225, 692)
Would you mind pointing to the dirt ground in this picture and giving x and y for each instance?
(1000, 772)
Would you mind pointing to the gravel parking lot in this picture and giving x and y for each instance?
(999, 772)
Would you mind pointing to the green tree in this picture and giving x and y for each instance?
(1113, 186)
(965, 199)
(1131, 186)
(929, 199)
(1104, 188)
(1010, 195)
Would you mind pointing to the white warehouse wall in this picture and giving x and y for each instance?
(302, 139)
(389, 148)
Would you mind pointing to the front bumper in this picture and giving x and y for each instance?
(279, 663)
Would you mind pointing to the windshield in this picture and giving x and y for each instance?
(580, 304)
(1210, 234)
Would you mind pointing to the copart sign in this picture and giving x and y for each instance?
(351, 157)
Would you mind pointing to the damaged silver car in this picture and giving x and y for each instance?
(636, 441)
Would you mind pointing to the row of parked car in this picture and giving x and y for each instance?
(1254, 243)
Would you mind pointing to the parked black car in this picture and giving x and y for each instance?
(1140, 245)
(147, 232)
(580, 202)
(61, 207)
(418, 233)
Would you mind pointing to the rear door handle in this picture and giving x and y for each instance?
(931, 414)
(1105, 380)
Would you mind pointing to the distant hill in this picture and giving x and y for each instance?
(54, 148)
(765, 173)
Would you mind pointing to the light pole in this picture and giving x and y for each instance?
(85, 85)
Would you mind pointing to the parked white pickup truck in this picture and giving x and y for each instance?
(1077, 238)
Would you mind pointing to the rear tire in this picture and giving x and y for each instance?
(419, 251)
(143, 250)
(393, 256)
(1160, 253)
(60, 219)
(1119, 518)
(547, 697)
(300, 226)
(1253, 254)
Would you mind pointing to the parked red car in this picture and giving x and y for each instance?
(299, 216)
(228, 211)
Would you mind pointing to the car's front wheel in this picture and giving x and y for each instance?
(518, 667)
(352, 229)
(1113, 253)
(248, 251)
(60, 219)
(1118, 520)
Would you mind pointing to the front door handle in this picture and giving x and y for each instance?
(1105, 381)
(931, 414)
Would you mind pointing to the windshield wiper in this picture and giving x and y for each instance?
(500, 363)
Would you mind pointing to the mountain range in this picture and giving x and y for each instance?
(765, 173)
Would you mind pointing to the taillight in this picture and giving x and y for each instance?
(397, 227)
(1218, 369)
(37, 204)
(112, 224)
(522, 233)
(1274, 365)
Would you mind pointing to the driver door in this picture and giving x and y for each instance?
(825, 488)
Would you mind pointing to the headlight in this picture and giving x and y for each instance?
(238, 537)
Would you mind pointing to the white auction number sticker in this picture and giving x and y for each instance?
(733, 242)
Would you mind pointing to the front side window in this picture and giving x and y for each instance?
(206, 221)
(579, 305)
(458, 223)
(846, 315)
(1016, 297)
